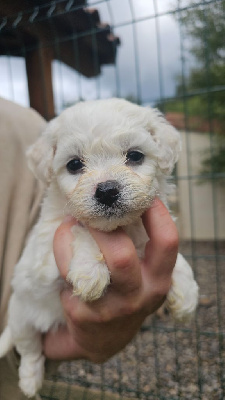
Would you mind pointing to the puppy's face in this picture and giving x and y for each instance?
(107, 181)
(105, 161)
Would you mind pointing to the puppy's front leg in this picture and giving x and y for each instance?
(88, 272)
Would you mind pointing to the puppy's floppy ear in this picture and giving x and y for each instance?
(166, 138)
(40, 154)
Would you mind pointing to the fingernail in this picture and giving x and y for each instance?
(69, 218)
(155, 202)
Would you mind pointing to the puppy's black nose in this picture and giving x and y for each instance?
(107, 192)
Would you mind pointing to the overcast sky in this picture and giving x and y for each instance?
(140, 70)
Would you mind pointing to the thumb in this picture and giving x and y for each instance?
(161, 249)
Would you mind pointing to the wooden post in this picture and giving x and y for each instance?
(39, 75)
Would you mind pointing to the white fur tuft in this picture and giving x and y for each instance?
(6, 342)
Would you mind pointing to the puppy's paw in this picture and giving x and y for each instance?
(182, 305)
(182, 299)
(31, 373)
(89, 283)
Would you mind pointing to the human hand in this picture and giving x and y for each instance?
(98, 330)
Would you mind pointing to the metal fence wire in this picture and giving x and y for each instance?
(168, 54)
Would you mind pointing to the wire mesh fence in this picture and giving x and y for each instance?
(168, 54)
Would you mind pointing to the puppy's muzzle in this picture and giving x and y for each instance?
(107, 192)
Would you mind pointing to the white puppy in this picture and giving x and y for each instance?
(104, 161)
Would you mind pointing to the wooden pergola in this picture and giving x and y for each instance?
(61, 30)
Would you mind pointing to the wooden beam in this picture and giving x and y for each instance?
(39, 76)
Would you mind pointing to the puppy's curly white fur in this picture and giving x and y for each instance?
(103, 162)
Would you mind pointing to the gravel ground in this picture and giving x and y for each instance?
(166, 361)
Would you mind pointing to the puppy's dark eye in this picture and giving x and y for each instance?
(74, 166)
(134, 157)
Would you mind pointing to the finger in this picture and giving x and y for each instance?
(121, 258)
(62, 245)
(71, 305)
(75, 309)
(99, 313)
(161, 250)
(60, 345)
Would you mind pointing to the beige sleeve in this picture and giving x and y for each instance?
(20, 193)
